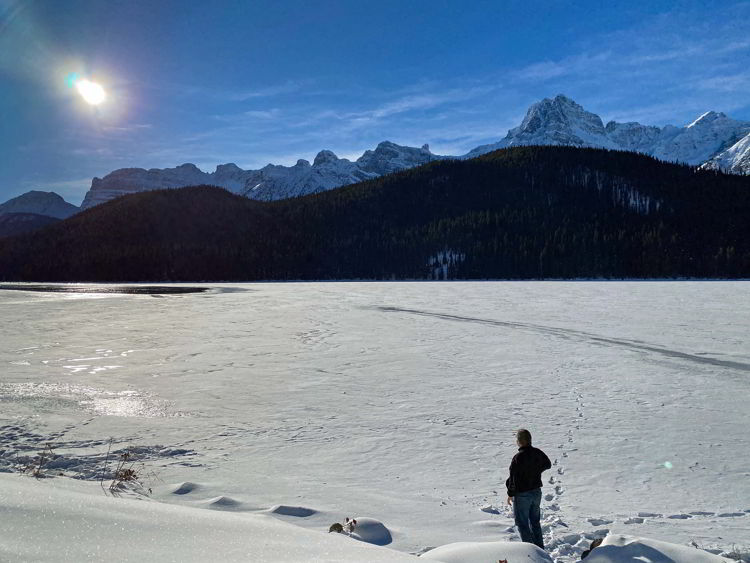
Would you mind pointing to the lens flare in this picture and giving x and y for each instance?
(71, 79)
(91, 92)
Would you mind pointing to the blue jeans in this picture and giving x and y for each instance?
(526, 512)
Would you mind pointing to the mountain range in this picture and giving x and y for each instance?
(271, 182)
(516, 213)
(712, 141)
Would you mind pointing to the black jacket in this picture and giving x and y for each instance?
(526, 470)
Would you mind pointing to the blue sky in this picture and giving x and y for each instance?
(254, 82)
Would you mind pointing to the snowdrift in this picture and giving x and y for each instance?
(629, 549)
(481, 552)
(66, 520)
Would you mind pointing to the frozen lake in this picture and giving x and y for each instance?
(399, 401)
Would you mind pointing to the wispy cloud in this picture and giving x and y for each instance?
(666, 69)
(127, 128)
(265, 92)
(547, 70)
(735, 82)
(240, 93)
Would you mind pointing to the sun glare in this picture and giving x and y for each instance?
(91, 92)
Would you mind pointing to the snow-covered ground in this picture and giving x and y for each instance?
(394, 401)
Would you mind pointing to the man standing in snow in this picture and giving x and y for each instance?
(525, 487)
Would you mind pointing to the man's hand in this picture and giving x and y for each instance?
(510, 501)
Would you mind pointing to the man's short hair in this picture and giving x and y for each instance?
(523, 437)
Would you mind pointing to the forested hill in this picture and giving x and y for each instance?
(519, 213)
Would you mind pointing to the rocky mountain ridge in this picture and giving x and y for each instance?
(271, 182)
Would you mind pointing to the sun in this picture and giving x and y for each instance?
(91, 92)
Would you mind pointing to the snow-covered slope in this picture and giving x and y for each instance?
(700, 141)
(712, 137)
(633, 136)
(268, 183)
(79, 523)
(735, 159)
(40, 203)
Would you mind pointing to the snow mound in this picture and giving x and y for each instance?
(184, 488)
(372, 531)
(482, 552)
(629, 549)
(222, 503)
(298, 511)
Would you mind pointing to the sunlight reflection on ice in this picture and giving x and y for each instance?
(129, 403)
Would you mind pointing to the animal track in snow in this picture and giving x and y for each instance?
(599, 521)
(634, 520)
(184, 488)
(298, 511)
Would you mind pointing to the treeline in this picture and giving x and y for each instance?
(520, 213)
(12, 224)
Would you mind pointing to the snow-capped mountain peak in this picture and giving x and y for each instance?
(229, 168)
(559, 121)
(707, 118)
(389, 157)
(554, 121)
(325, 157)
